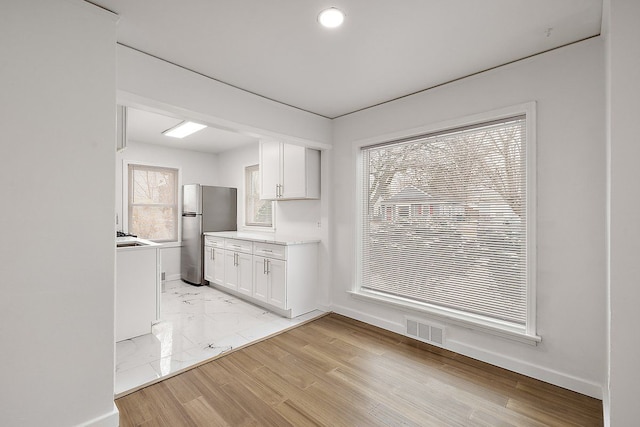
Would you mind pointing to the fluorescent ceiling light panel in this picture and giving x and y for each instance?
(331, 18)
(183, 129)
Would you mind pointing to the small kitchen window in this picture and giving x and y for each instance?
(258, 213)
(153, 202)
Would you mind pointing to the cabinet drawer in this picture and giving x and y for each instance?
(238, 245)
(270, 250)
(216, 242)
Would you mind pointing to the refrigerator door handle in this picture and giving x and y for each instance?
(189, 214)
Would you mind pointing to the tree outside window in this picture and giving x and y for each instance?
(444, 220)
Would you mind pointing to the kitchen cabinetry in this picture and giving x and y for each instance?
(237, 266)
(270, 274)
(288, 171)
(214, 260)
(137, 290)
(280, 276)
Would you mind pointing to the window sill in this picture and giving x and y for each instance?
(253, 228)
(466, 320)
(169, 244)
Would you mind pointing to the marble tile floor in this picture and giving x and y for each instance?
(198, 323)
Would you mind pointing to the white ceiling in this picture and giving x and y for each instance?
(384, 50)
(147, 127)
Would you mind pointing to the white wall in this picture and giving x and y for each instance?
(568, 86)
(150, 82)
(195, 168)
(623, 63)
(57, 162)
(293, 217)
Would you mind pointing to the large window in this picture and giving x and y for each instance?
(153, 202)
(258, 212)
(444, 223)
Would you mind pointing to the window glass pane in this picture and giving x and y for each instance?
(153, 206)
(444, 220)
(153, 222)
(257, 212)
(154, 186)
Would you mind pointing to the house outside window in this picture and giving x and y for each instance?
(153, 202)
(258, 213)
(463, 249)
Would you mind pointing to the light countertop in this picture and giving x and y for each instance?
(276, 238)
(134, 243)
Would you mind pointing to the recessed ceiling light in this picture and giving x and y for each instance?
(183, 129)
(331, 18)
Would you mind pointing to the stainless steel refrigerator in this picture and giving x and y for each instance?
(204, 208)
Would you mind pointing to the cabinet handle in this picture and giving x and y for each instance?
(235, 259)
(268, 265)
(264, 266)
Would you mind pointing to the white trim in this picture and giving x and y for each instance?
(110, 419)
(526, 335)
(561, 379)
(466, 320)
(532, 185)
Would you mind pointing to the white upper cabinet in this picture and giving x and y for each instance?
(288, 171)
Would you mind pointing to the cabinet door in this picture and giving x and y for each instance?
(245, 269)
(269, 169)
(277, 272)
(230, 270)
(217, 275)
(260, 279)
(208, 263)
(294, 179)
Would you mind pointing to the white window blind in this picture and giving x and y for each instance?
(444, 220)
(153, 202)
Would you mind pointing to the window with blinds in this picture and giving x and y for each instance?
(153, 202)
(444, 220)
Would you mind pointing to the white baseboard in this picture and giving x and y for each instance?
(110, 419)
(541, 373)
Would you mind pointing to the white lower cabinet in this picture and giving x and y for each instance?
(277, 274)
(282, 278)
(137, 291)
(270, 281)
(237, 272)
(214, 260)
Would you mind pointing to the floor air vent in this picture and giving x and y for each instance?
(426, 332)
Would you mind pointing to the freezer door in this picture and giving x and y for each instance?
(191, 267)
(219, 208)
(192, 198)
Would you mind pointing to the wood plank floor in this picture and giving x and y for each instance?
(336, 371)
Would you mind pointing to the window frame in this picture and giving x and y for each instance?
(125, 197)
(526, 334)
(255, 226)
